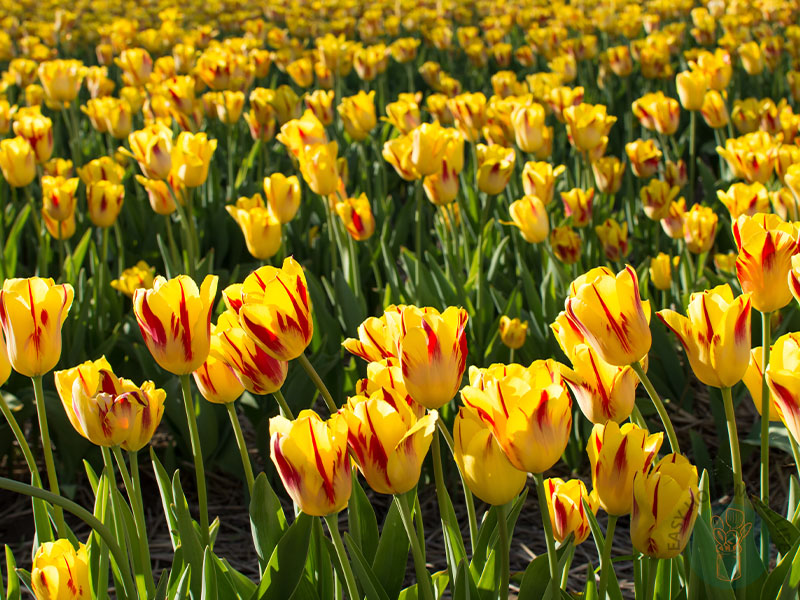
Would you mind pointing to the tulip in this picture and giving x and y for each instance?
(38, 130)
(386, 376)
(5, 365)
(562, 97)
(661, 270)
(513, 332)
(276, 310)
(539, 179)
(133, 278)
(644, 156)
(376, 339)
(715, 335)
(357, 218)
(217, 381)
(358, 114)
(58, 196)
(567, 513)
(566, 244)
(587, 125)
(61, 80)
(672, 224)
(60, 571)
(260, 227)
(6, 115)
(230, 104)
(151, 147)
(752, 58)
(692, 87)
(614, 238)
(283, 196)
(746, 115)
(397, 152)
(617, 454)
(104, 168)
(714, 110)
(753, 379)
(301, 72)
(32, 312)
(158, 192)
(319, 169)
(321, 103)
(766, 245)
(608, 172)
(528, 122)
(784, 385)
(119, 119)
(745, 199)
(657, 197)
(312, 460)
(751, 157)
(658, 112)
(530, 217)
(578, 205)
(191, 157)
(469, 112)
(136, 66)
(665, 505)
(257, 371)
(442, 188)
(174, 318)
(495, 165)
(675, 173)
(104, 200)
(699, 228)
(486, 470)
(527, 410)
(403, 115)
(610, 314)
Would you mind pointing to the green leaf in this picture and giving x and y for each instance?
(187, 534)
(791, 581)
(239, 582)
(778, 576)
(167, 499)
(453, 542)
(182, 590)
(391, 556)
(209, 590)
(535, 579)
(373, 590)
(351, 308)
(285, 567)
(161, 588)
(361, 520)
(73, 264)
(463, 586)
(267, 521)
(782, 532)
(706, 582)
(12, 581)
(613, 589)
(12, 242)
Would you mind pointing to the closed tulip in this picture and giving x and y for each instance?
(530, 216)
(665, 505)
(175, 320)
(644, 156)
(260, 227)
(566, 244)
(675, 173)
(17, 161)
(614, 238)
(751, 156)
(609, 312)
(319, 169)
(657, 197)
(442, 188)
(397, 152)
(38, 130)
(376, 339)
(483, 464)
(358, 114)
(539, 179)
(714, 110)
(565, 504)
(60, 571)
(528, 123)
(753, 379)
(587, 125)
(159, 195)
(699, 228)
(217, 381)
(715, 335)
(528, 411)
(357, 218)
(140, 275)
(783, 381)
(276, 310)
(692, 87)
(387, 440)
(428, 146)
(58, 196)
(283, 196)
(745, 199)
(32, 312)
(136, 65)
(151, 147)
(672, 224)
(61, 80)
(386, 376)
(469, 112)
(578, 205)
(104, 201)
(766, 245)
(513, 332)
(617, 454)
(661, 270)
(495, 165)
(312, 460)
(191, 156)
(104, 168)
(658, 112)
(608, 172)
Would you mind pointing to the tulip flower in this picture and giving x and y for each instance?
(753, 379)
(657, 197)
(495, 165)
(7, 112)
(159, 195)
(746, 115)
(387, 440)
(376, 339)
(61, 79)
(562, 97)
(387, 376)
(578, 205)
(513, 332)
(675, 173)
(442, 188)
(661, 270)
(658, 112)
(5, 365)
(38, 130)
(136, 65)
(567, 513)
(715, 335)
(699, 228)
(260, 227)
(672, 224)
(404, 115)
(528, 122)
(356, 215)
(608, 172)
(358, 114)
(566, 244)
(108, 410)
(283, 196)
(312, 460)
(104, 168)
(276, 310)
(32, 312)
(17, 161)
(530, 217)
(745, 199)
(104, 200)
(784, 384)
(258, 372)
(319, 169)
(217, 381)
(611, 315)
(692, 87)
(644, 156)
(118, 119)
(469, 112)
(614, 239)
(527, 410)
(751, 157)
(752, 58)
(483, 464)
(191, 156)
(766, 245)
(397, 152)
(665, 505)
(151, 147)
(58, 196)
(174, 318)
(617, 454)
(539, 179)
(131, 279)
(587, 125)
(60, 571)
(714, 110)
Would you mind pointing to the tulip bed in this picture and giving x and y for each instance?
(468, 251)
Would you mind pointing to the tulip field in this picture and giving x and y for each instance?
(407, 276)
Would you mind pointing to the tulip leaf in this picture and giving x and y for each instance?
(163, 583)
(167, 499)
(319, 564)
(182, 590)
(463, 586)
(351, 308)
(369, 583)
(445, 288)
(780, 575)
(267, 521)
(241, 584)
(12, 591)
(590, 591)
(209, 589)
(535, 579)
(706, 581)
(189, 540)
(73, 264)
(361, 520)
(391, 555)
(12, 245)
(663, 584)
(599, 540)
(286, 565)
(783, 533)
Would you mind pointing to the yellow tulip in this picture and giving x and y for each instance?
(578, 205)
(104, 168)
(136, 66)
(138, 276)
(38, 130)
(320, 102)
(566, 244)
(753, 379)
(58, 196)
(104, 201)
(376, 339)
(60, 571)
(608, 173)
(528, 122)
(5, 365)
(428, 145)
(191, 157)
(469, 113)
(745, 199)
(118, 119)
(318, 165)
(530, 216)
(397, 152)
(692, 87)
(699, 228)
(657, 197)
(283, 196)
(565, 505)
(357, 218)
(715, 335)
(714, 110)
(260, 227)
(751, 156)
(404, 115)
(617, 454)
(609, 312)
(276, 310)
(495, 165)
(614, 238)
(528, 411)
(174, 318)
(539, 179)
(32, 312)
(61, 80)
(644, 156)
(587, 125)
(746, 115)
(217, 381)
(661, 270)
(358, 114)
(665, 505)
(442, 188)
(151, 147)
(312, 460)
(783, 381)
(301, 71)
(513, 332)
(562, 97)
(158, 192)
(675, 173)
(480, 458)
(752, 58)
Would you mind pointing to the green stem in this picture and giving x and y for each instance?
(766, 334)
(175, 258)
(733, 437)
(119, 528)
(652, 570)
(52, 478)
(197, 453)
(312, 373)
(135, 498)
(101, 278)
(23, 443)
(692, 153)
(417, 551)
(662, 411)
(237, 431)
(85, 516)
(504, 550)
(552, 557)
(283, 405)
(185, 215)
(605, 559)
(795, 453)
(418, 245)
(567, 565)
(37, 223)
(468, 498)
(479, 249)
(349, 578)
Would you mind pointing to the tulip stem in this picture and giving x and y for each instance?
(605, 559)
(766, 334)
(504, 549)
(417, 551)
(173, 248)
(52, 478)
(312, 373)
(567, 565)
(552, 557)
(418, 271)
(237, 431)
(135, 498)
(20, 437)
(350, 581)
(733, 437)
(197, 454)
(468, 498)
(42, 256)
(692, 153)
(85, 516)
(795, 453)
(283, 405)
(662, 411)
(652, 571)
